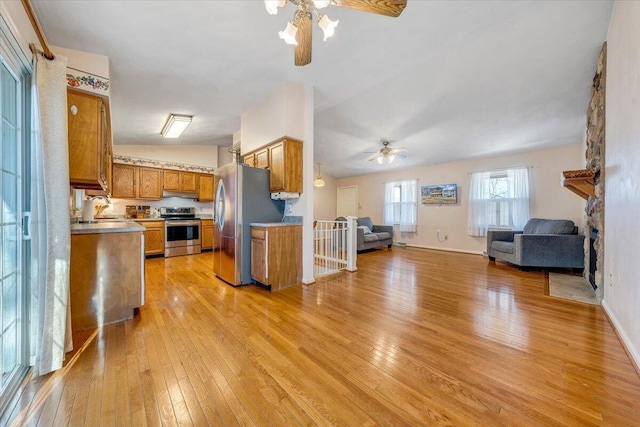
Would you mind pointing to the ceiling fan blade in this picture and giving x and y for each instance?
(398, 150)
(302, 55)
(391, 8)
(400, 156)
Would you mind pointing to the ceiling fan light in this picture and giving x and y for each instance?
(289, 34)
(379, 159)
(321, 4)
(328, 26)
(273, 5)
(391, 158)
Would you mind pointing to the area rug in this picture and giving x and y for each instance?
(572, 287)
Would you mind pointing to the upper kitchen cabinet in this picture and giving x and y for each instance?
(149, 183)
(124, 181)
(285, 165)
(262, 158)
(205, 188)
(89, 141)
(136, 182)
(179, 181)
(283, 158)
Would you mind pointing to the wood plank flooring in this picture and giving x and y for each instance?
(414, 337)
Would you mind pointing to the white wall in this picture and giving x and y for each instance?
(324, 199)
(197, 155)
(13, 14)
(287, 111)
(622, 175)
(549, 199)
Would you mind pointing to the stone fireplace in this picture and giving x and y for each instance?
(594, 212)
(588, 183)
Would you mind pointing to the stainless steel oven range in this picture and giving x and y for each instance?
(181, 231)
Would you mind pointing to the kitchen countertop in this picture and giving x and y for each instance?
(106, 227)
(274, 224)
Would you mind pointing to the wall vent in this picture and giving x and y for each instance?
(400, 243)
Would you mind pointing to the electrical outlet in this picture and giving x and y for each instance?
(289, 208)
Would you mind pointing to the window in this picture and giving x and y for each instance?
(401, 205)
(498, 199)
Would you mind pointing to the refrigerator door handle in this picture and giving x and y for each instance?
(220, 205)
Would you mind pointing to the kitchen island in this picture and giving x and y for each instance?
(107, 272)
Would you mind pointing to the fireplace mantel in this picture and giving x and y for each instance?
(581, 182)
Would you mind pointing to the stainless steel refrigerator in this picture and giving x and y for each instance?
(242, 198)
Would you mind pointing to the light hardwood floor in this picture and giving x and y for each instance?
(414, 337)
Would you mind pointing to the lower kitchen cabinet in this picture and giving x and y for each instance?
(106, 278)
(206, 241)
(276, 254)
(153, 237)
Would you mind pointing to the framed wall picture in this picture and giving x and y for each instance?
(445, 194)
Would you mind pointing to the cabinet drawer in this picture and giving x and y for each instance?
(258, 233)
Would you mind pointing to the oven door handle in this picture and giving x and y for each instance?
(178, 223)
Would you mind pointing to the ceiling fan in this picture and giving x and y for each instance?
(299, 31)
(388, 154)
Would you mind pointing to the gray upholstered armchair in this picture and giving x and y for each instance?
(542, 243)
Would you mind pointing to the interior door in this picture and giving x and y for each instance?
(347, 202)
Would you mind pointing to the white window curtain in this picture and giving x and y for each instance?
(50, 228)
(402, 211)
(498, 199)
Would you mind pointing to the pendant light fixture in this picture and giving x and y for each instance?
(319, 182)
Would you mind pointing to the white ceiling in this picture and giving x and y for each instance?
(447, 80)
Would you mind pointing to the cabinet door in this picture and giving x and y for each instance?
(85, 135)
(124, 183)
(259, 260)
(153, 237)
(277, 167)
(205, 188)
(207, 234)
(171, 180)
(262, 158)
(149, 183)
(250, 160)
(188, 181)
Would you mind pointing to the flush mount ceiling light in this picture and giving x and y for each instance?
(319, 182)
(388, 154)
(298, 32)
(175, 125)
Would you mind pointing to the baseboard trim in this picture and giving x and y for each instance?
(627, 344)
(462, 251)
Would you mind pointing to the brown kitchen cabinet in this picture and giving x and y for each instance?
(89, 141)
(276, 255)
(136, 182)
(205, 187)
(283, 158)
(262, 158)
(179, 180)
(206, 241)
(153, 237)
(249, 160)
(124, 181)
(149, 183)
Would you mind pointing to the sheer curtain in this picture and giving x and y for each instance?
(408, 207)
(479, 212)
(50, 229)
(389, 206)
(491, 205)
(403, 210)
(519, 195)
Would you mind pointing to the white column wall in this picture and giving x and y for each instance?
(288, 111)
